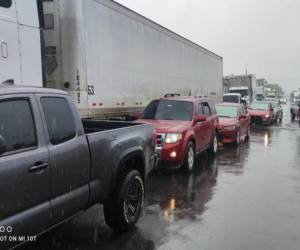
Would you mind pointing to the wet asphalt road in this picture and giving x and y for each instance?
(244, 198)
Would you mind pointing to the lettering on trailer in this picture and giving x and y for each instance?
(91, 90)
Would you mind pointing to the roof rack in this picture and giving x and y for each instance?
(171, 95)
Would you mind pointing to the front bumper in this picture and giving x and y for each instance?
(261, 120)
(164, 156)
(228, 136)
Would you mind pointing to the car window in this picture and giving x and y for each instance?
(17, 127)
(231, 98)
(199, 109)
(169, 110)
(206, 109)
(212, 107)
(59, 119)
(5, 3)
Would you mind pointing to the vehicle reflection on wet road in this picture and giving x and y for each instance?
(244, 198)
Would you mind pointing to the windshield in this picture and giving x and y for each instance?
(226, 111)
(243, 92)
(169, 110)
(231, 98)
(259, 105)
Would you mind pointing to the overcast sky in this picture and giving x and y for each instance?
(263, 34)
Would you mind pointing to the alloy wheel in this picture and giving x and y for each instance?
(134, 199)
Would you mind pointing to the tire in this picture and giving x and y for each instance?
(189, 161)
(122, 210)
(213, 149)
(248, 133)
(293, 116)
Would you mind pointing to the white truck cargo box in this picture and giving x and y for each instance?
(114, 61)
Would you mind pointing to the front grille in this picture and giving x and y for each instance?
(256, 119)
(160, 140)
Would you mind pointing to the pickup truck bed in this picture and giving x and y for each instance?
(93, 126)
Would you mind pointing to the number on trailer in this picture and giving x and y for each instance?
(91, 90)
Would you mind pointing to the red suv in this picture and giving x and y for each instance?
(185, 126)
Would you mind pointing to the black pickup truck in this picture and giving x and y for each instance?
(54, 165)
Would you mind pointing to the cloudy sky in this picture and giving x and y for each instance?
(262, 34)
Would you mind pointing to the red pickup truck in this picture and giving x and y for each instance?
(185, 126)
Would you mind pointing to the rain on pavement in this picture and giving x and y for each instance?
(244, 198)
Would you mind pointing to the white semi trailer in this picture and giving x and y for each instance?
(112, 60)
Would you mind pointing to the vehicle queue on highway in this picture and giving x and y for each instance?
(188, 125)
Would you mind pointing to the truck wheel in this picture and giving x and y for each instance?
(189, 161)
(122, 210)
(213, 149)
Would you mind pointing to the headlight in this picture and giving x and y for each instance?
(172, 138)
(267, 116)
(229, 128)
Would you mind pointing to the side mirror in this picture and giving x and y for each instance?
(2, 145)
(200, 118)
(271, 109)
(242, 117)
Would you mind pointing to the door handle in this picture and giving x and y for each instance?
(38, 167)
